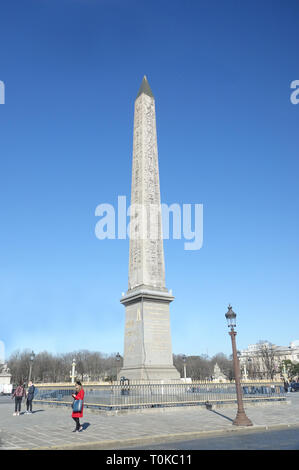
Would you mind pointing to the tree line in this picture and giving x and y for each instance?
(97, 366)
(47, 367)
(202, 367)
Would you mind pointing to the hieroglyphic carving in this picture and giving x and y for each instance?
(146, 265)
(130, 348)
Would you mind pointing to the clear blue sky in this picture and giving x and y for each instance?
(228, 139)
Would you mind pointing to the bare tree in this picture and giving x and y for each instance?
(266, 355)
(19, 365)
(201, 367)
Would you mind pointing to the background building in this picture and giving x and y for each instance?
(265, 360)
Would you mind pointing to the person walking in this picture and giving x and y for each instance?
(78, 406)
(18, 394)
(30, 396)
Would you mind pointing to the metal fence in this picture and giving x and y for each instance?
(117, 396)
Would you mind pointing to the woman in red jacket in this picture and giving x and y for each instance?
(79, 395)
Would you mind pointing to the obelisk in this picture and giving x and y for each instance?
(147, 345)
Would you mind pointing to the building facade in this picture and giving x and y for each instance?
(265, 360)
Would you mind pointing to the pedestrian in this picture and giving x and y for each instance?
(18, 394)
(78, 406)
(286, 385)
(30, 396)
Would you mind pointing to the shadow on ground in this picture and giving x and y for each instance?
(223, 416)
(85, 426)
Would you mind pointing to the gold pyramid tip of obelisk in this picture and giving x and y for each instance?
(145, 88)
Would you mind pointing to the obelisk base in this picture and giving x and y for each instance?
(147, 350)
(150, 374)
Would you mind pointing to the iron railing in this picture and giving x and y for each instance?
(118, 396)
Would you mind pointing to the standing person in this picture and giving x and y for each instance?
(286, 385)
(18, 394)
(30, 396)
(78, 397)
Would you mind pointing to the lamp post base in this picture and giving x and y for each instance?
(242, 420)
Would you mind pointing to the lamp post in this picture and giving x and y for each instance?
(249, 364)
(72, 375)
(184, 362)
(241, 418)
(32, 356)
(245, 374)
(243, 369)
(118, 356)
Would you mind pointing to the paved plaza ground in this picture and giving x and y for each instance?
(51, 427)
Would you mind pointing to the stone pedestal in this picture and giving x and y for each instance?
(148, 350)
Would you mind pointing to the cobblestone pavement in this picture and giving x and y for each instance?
(51, 427)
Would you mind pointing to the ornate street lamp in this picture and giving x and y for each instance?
(73, 371)
(118, 357)
(249, 363)
(247, 368)
(184, 358)
(241, 418)
(31, 359)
